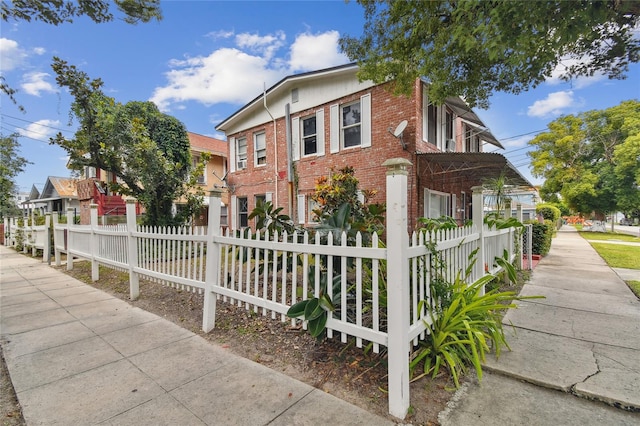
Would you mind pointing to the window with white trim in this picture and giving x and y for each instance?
(243, 211)
(350, 125)
(471, 139)
(241, 153)
(202, 178)
(309, 135)
(436, 204)
(438, 124)
(311, 206)
(224, 220)
(260, 146)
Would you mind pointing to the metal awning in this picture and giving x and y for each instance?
(468, 168)
(466, 114)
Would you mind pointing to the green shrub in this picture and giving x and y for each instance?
(542, 235)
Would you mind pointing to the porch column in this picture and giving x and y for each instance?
(397, 286)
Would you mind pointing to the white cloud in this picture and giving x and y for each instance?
(312, 52)
(35, 83)
(266, 46)
(39, 51)
(226, 75)
(40, 130)
(553, 105)
(12, 55)
(237, 75)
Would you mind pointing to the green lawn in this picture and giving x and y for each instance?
(618, 255)
(606, 236)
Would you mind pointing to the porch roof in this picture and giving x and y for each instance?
(467, 168)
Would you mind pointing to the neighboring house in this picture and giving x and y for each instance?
(215, 171)
(304, 125)
(526, 198)
(93, 187)
(57, 195)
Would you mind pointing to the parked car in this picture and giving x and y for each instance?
(625, 221)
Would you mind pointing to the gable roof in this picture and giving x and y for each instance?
(205, 143)
(58, 187)
(283, 86)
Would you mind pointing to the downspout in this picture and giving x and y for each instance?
(287, 117)
(275, 144)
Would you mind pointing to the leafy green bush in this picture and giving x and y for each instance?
(542, 234)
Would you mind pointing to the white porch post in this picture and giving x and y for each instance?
(94, 243)
(56, 243)
(132, 244)
(477, 202)
(69, 238)
(397, 286)
(212, 262)
(46, 249)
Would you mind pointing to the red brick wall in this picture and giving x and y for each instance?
(387, 111)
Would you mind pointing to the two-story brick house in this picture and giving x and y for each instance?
(297, 130)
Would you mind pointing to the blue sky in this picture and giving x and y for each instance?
(206, 59)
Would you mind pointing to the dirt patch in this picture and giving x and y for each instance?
(348, 372)
(9, 407)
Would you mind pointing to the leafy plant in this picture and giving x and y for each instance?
(315, 310)
(269, 218)
(463, 332)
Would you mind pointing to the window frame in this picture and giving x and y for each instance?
(242, 214)
(357, 125)
(201, 179)
(304, 137)
(260, 154)
(428, 206)
(239, 155)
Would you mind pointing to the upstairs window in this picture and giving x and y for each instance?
(309, 136)
(260, 144)
(472, 139)
(241, 153)
(201, 180)
(350, 124)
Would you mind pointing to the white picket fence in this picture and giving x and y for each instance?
(377, 289)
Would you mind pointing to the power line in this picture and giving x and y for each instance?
(36, 123)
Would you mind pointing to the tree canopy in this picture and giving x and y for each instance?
(147, 151)
(56, 12)
(592, 160)
(11, 164)
(473, 48)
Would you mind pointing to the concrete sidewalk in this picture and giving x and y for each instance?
(575, 354)
(78, 356)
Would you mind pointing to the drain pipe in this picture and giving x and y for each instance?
(287, 118)
(275, 143)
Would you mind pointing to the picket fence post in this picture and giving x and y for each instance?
(519, 243)
(46, 250)
(56, 243)
(94, 243)
(132, 244)
(212, 272)
(70, 218)
(477, 202)
(397, 286)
